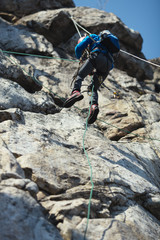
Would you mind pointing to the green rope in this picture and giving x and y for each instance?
(91, 192)
(39, 56)
(13, 61)
(34, 78)
(92, 185)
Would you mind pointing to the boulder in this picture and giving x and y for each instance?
(9, 167)
(17, 97)
(21, 8)
(11, 68)
(21, 39)
(24, 216)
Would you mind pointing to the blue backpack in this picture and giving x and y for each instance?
(110, 41)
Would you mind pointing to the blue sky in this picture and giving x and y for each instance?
(141, 15)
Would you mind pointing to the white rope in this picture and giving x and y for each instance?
(141, 59)
(154, 64)
(80, 26)
(75, 24)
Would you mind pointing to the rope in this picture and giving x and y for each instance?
(75, 23)
(154, 64)
(39, 56)
(34, 78)
(75, 60)
(76, 26)
(91, 192)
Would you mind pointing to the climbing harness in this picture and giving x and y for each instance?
(83, 57)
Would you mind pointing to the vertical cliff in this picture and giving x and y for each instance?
(45, 175)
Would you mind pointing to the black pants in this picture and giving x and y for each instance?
(102, 65)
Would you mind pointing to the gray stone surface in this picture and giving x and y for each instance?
(23, 217)
(25, 7)
(17, 97)
(45, 174)
(19, 38)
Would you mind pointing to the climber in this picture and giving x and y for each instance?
(99, 63)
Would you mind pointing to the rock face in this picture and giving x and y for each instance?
(54, 169)
(25, 7)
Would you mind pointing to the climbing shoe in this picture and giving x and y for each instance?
(93, 113)
(75, 97)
